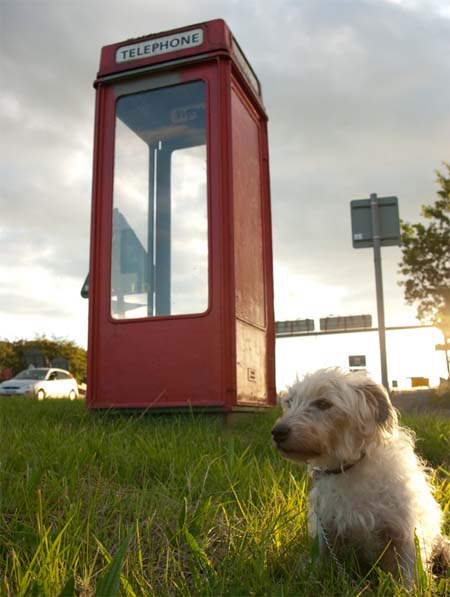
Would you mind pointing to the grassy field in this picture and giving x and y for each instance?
(103, 504)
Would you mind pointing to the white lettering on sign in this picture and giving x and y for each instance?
(160, 45)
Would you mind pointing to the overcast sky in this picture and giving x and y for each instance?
(357, 93)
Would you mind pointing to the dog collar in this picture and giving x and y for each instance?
(319, 472)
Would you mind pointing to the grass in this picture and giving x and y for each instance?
(103, 504)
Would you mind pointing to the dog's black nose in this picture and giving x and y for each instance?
(280, 432)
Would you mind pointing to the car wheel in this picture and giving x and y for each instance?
(40, 394)
(72, 395)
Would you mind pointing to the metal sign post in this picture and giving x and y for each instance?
(376, 223)
(376, 236)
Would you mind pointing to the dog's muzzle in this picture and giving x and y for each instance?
(280, 433)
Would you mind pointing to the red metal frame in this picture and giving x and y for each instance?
(185, 360)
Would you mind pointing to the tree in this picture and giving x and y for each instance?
(9, 359)
(426, 259)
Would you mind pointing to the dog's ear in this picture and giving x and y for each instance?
(378, 401)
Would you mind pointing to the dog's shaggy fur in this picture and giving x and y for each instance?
(370, 492)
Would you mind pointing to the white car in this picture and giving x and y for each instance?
(42, 383)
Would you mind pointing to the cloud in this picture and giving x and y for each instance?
(35, 301)
(358, 104)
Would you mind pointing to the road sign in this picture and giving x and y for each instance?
(442, 347)
(291, 327)
(61, 363)
(35, 358)
(357, 360)
(389, 222)
(348, 322)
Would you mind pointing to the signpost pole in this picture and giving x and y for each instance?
(379, 286)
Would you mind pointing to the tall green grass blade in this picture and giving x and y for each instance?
(198, 552)
(36, 590)
(69, 588)
(108, 585)
(420, 572)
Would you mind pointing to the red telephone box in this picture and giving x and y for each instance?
(181, 285)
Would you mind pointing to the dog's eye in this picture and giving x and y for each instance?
(288, 403)
(322, 404)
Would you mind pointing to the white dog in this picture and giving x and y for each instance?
(370, 492)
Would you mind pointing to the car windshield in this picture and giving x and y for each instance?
(32, 374)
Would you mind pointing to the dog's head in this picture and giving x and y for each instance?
(331, 417)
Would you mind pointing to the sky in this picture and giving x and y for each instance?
(357, 94)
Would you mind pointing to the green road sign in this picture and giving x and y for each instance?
(389, 222)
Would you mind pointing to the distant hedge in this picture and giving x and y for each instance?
(12, 354)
